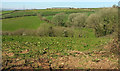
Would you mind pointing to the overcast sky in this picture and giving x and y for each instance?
(60, 0)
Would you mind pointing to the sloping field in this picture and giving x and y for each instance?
(29, 22)
(48, 46)
(26, 52)
(43, 12)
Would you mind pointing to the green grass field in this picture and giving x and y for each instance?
(5, 12)
(49, 17)
(30, 22)
(43, 12)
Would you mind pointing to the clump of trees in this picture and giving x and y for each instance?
(80, 20)
(114, 6)
(104, 21)
(54, 31)
(59, 19)
(45, 30)
(77, 19)
(92, 20)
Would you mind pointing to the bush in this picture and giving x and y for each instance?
(44, 30)
(58, 31)
(6, 33)
(68, 32)
(72, 16)
(77, 19)
(30, 32)
(19, 32)
(68, 24)
(50, 32)
(114, 6)
(59, 19)
(93, 20)
(23, 32)
(63, 32)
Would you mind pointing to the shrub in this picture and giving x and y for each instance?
(72, 16)
(79, 20)
(43, 30)
(19, 32)
(68, 32)
(114, 6)
(59, 19)
(63, 32)
(30, 32)
(50, 32)
(93, 20)
(68, 24)
(6, 33)
(58, 31)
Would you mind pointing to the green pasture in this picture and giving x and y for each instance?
(5, 12)
(30, 22)
(44, 12)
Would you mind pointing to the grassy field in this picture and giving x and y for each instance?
(43, 12)
(6, 12)
(30, 22)
(49, 17)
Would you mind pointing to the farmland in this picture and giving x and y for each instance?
(28, 18)
(31, 22)
(22, 48)
(57, 39)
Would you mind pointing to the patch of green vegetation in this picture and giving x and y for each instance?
(49, 17)
(42, 45)
(18, 14)
(80, 68)
(30, 22)
(5, 12)
(47, 12)
(43, 12)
